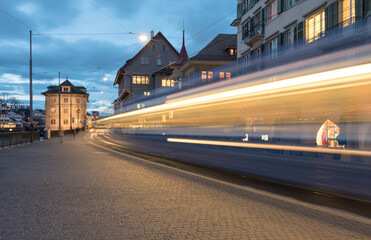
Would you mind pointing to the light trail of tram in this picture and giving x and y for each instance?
(319, 108)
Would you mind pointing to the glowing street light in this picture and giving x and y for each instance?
(143, 37)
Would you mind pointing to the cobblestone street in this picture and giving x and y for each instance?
(76, 190)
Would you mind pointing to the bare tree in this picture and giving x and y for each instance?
(4, 97)
(14, 103)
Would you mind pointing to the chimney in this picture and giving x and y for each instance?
(152, 34)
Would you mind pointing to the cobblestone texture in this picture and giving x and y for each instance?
(74, 190)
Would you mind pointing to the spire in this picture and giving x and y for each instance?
(183, 56)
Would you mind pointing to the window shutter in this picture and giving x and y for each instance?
(335, 14)
(279, 6)
(283, 5)
(252, 27)
(328, 17)
(367, 8)
(359, 9)
(239, 10)
(299, 33)
(295, 34)
(280, 39)
(264, 47)
(261, 21)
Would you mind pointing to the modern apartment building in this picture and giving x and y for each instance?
(279, 25)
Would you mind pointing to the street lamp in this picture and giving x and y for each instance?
(143, 37)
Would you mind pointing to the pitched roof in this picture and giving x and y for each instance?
(183, 56)
(158, 35)
(215, 50)
(74, 90)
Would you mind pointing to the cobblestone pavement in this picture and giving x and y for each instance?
(75, 190)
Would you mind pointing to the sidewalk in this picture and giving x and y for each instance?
(73, 190)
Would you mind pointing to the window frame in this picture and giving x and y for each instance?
(138, 79)
(311, 31)
(144, 60)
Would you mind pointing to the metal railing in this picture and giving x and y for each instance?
(8, 139)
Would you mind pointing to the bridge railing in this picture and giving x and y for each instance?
(8, 139)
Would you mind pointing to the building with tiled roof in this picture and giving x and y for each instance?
(73, 102)
(220, 51)
(145, 71)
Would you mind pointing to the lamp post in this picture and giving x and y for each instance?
(31, 105)
(59, 108)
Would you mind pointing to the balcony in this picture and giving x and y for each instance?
(254, 37)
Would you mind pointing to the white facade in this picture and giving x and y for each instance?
(266, 26)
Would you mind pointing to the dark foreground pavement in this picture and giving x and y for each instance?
(76, 190)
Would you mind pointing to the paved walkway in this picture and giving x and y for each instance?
(75, 190)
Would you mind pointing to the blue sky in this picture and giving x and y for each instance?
(89, 60)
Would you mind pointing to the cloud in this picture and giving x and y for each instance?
(80, 56)
(27, 8)
(9, 78)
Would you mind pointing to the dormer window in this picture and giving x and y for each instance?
(231, 51)
(65, 89)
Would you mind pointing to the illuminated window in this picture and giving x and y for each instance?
(140, 79)
(203, 75)
(315, 26)
(144, 60)
(210, 76)
(228, 75)
(65, 110)
(221, 75)
(147, 93)
(52, 121)
(233, 51)
(65, 100)
(53, 110)
(65, 121)
(265, 138)
(167, 83)
(272, 11)
(348, 12)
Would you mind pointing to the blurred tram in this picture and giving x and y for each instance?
(306, 123)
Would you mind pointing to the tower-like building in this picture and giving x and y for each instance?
(71, 112)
